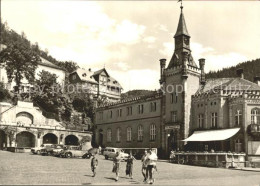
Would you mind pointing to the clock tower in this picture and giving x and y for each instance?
(180, 80)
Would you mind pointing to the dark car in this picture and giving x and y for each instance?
(48, 150)
(90, 153)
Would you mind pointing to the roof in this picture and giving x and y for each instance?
(212, 135)
(47, 63)
(238, 84)
(113, 82)
(85, 75)
(182, 28)
(100, 71)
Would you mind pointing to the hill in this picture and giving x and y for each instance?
(251, 69)
(136, 93)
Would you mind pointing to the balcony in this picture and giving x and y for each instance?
(254, 129)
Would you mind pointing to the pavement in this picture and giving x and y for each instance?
(28, 169)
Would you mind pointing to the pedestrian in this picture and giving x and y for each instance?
(129, 166)
(116, 164)
(94, 164)
(144, 165)
(99, 150)
(151, 166)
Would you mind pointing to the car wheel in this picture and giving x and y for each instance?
(68, 155)
(106, 157)
(38, 152)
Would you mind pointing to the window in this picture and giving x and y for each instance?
(172, 97)
(74, 77)
(238, 118)
(129, 111)
(118, 134)
(129, 134)
(152, 132)
(255, 116)
(176, 97)
(140, 109)
(119, 112)
(153, 106)
(111, 113)
(140, 133)
(238, 145)
(214, 119)
(174, 116)
(109, 135)
(201, 120)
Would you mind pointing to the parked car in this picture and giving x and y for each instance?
(59, 150)
(37, 150)
(110, 152)
(48, 150)
(90, 152)
(73, 151)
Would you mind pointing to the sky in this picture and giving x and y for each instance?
(129, 37)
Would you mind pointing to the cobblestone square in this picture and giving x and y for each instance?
(25, 168)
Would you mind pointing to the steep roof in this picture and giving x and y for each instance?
(100, 71)
(47, 63)
(85, 75)
(234, 84)
(182, 28)
(113, 82)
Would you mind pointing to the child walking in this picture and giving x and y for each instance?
(94, 164)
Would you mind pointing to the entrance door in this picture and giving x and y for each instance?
(25, 139)
(2, 139)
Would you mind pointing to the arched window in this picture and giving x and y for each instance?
(129, 134)
(255, 116)
(109, 135)
(152, 132)
(118, 134)
(140, 133)
(238, 118)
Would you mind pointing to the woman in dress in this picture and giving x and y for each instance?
(129, 165)
(116, 164)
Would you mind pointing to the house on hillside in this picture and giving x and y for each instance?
(97, 83)
(42, 65)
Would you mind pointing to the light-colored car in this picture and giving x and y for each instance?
(37, 150)
(110, 152)
(73, 151)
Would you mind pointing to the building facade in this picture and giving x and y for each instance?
(43, 65)
(24, 126)
(98, 83)
(193, 113)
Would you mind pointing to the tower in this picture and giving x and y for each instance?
(180, 80)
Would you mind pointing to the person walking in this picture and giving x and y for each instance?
(144, 165)
(151, 165)
(129, 166)
(116, 164)
(94, 164)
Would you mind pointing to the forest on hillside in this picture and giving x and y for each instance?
(251, 70)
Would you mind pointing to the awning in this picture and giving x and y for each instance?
(212, 135)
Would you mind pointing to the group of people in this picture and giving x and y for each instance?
(148, 165)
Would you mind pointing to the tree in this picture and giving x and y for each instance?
(4, 94)
(20, 62)
(49, 96)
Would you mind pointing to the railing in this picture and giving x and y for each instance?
(216, 159)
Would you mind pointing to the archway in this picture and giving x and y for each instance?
(25, 139)
(71, 140)
(50, 138)
(2, 139)
(24, 118)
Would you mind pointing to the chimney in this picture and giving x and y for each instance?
(240, 73)
(162, 65)
(257, 80)
(202, 77)
(89, 69)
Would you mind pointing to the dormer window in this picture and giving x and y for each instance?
(84, 75)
